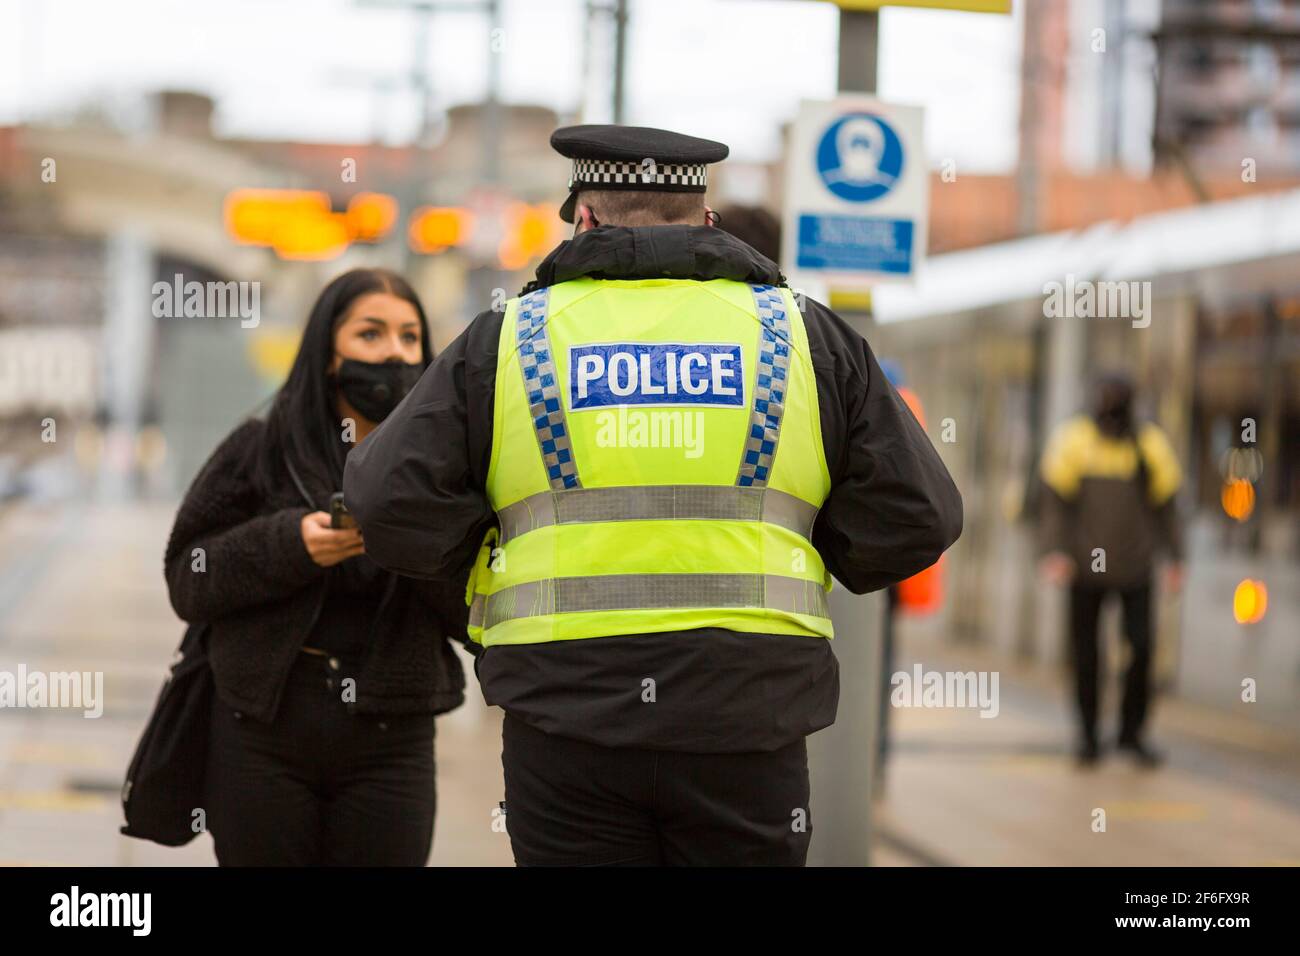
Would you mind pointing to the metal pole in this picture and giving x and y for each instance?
(128, 346)
(492, 103)
(484, 279)
(859, 38)
(841, 758)
(620, 59)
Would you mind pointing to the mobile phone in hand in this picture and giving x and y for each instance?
(340, 517)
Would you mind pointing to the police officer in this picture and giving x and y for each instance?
(654, 461)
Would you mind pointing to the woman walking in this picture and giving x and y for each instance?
(329, 671)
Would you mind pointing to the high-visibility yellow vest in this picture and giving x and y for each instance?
(657, 465)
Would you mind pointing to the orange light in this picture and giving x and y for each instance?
(1250, 602)
(311, 238)
(370, 216)
(434, 229)
(509, 256)
(536, 229)
(1238, 497)
(530, 233)
(253, 216)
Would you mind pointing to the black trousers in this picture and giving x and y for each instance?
(570, 803)
(320, 786)
(1085, 610)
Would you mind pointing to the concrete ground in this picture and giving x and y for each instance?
(961, 789)
(81, 589)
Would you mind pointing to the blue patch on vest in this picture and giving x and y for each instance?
(641, 373)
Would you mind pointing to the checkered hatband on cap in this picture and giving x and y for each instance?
(600, 172)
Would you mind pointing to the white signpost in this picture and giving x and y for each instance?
(857, 193)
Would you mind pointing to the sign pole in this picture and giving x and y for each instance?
(859, 39)
(841, 757)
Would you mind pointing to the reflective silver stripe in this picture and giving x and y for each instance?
(626, 592)
(476, 609)
(657, 503)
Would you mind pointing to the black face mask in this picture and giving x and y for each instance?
(375, 388)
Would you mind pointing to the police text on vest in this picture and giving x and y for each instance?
(641, 373)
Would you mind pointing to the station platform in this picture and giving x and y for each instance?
(81, 588)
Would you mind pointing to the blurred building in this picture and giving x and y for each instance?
(1113, 187)
(94, 213)
(1229, 84)
(1132, 141)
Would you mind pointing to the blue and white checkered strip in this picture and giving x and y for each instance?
(543, 391)
(770, 383)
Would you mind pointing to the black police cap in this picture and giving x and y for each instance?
(634, 157)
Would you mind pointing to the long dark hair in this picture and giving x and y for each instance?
(303, 425)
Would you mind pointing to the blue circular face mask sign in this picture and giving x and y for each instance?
(860, 157)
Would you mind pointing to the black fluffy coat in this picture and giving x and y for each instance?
(260, 592)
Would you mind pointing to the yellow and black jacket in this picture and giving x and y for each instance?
(1103, 501)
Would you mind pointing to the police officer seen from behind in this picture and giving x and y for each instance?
(655, 462)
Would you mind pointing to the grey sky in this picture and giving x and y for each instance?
(304, 69)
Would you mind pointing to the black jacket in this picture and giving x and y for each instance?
(261, 593)
(417, 488)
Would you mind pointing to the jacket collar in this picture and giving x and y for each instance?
(655, 252)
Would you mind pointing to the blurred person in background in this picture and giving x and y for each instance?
(1109, 509)
(754, 226)
(329, 671)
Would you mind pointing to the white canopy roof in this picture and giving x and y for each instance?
(1148, 247)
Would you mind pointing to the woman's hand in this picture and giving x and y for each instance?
(329, 546)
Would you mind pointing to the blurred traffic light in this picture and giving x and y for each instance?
(254, 215)
(370, 216)
(1250, 602)
(1241, 463)
(299, 224)
(1238, 498)
(296, 223)
(434, 229)
(311, 237)
(530, 233)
